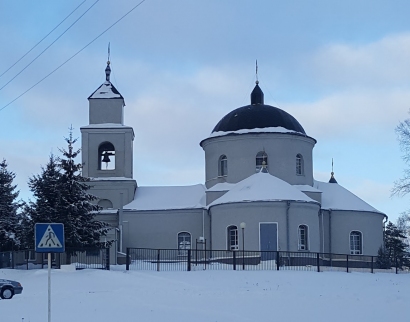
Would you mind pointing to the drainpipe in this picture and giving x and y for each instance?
(210, 231)
(330, 231)
(384, 229)
(120, 217)
(323, 233)
(203, 223)
(287, 225)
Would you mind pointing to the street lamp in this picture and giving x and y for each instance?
(243, 225)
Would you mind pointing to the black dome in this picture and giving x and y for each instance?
(257, 116)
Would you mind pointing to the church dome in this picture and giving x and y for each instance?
(257, 115)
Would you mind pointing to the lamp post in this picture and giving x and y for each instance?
(243, 225)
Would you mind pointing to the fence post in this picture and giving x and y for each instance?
(347, 263)
(372, 267)
(189, 260)
(107, 259)
(158, 257)
(317, 262)
(127, 259)
(397, 264)
(234, 260)
(277, 261)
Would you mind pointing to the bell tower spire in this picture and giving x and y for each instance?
(108, 69)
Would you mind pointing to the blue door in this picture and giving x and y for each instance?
(269, 240)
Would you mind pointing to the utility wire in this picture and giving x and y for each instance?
(52, 72)
(49, 46)
(42, 39)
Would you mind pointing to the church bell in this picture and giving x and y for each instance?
(106, 157)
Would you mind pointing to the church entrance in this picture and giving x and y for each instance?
(268, 235)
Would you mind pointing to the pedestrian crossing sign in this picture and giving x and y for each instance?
(49, 238)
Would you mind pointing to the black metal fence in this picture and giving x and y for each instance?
(98, 258)
(187, 260)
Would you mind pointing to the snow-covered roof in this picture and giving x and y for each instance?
(278, 129)
(168, 197)
(106, 90)
(306, 188)
(111, 179)
(262, 187)
(106, 126)
(224, 186)
(335, 197)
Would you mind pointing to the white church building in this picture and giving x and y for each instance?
(258, 179)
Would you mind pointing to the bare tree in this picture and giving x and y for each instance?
(402, 186)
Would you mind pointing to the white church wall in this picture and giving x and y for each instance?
(368, 223)
(112, 189)
(106, 111)
(121, 138)
(241, 151)
(159, 229)
(252, 214)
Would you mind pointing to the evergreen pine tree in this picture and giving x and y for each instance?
(45, 188)
(394, 251)
(75, 208)
(8, 208)
(61, 196)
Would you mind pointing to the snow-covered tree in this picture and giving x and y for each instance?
(402, 186)
(61, 196)
(45, 188)
(8, 208)
(394, 250)
(75, 208)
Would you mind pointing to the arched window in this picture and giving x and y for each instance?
(105, 204)
(184, 243)
(232, 233)
(106, 156)
(299, 165)
(223, 166)
(303, 237)
(356, 243)
(260, 157)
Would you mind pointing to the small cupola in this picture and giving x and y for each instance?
(332, 176)
(107, 72)
(257, 95)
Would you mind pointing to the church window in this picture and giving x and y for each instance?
(184, 243)
(223, 166)
(260, 157)
(232, 237)
(303, 237)
(106, 156)
(299, 164)
(105, 204)
(355, 243)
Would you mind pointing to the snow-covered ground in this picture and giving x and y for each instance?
(204, 296)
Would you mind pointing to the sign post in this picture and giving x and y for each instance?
(49, 238)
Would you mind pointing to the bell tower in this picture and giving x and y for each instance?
(107, 147)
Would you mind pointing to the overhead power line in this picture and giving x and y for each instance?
(49, 45)
(42, 39)
(53, 71)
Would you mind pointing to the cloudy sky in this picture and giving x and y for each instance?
(341, 68)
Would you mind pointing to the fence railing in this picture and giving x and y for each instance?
(80, 258)
(192, 259)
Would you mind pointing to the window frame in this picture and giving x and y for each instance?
(223, 166)
(354, 250)
(184, 235)
(300, 167)
(232, 237)
(303, 241)
(260, 157)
